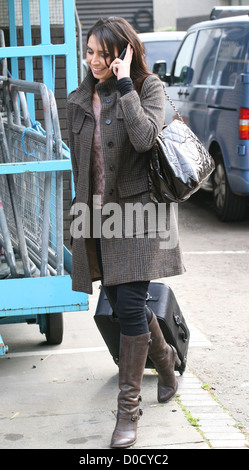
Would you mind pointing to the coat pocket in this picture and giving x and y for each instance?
(129, 187)
(78, 120)
(138, 212)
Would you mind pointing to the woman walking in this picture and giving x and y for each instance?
(114, 117)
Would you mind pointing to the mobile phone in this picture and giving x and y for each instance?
(122, 53)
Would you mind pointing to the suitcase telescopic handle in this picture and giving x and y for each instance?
(182, 326)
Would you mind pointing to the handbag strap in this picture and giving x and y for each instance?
(172, 104)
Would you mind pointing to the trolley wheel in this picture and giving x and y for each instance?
(54, 328)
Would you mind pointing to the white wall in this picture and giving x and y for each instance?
(187, 8)
(167, 11)
(164, 14)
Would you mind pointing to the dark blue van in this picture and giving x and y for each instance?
(209, 84)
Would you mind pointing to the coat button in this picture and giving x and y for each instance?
(111, 191)
(112, 167)
(110, 144)
(108, 121)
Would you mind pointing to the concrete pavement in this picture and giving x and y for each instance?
(64, 397)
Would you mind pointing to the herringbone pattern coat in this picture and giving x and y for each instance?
(129, 126)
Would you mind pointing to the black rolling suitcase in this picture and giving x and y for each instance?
(162, 301)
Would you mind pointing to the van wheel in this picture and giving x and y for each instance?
(229, 206)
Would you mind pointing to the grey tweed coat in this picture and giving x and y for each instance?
(129, 126)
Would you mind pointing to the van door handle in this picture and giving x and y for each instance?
(180, 92)
(186, 93)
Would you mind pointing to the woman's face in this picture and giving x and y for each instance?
(97, 61)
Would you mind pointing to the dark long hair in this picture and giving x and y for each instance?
(117, 32)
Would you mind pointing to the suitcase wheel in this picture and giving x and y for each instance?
(182, 367)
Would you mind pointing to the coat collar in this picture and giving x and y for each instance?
(82, 96)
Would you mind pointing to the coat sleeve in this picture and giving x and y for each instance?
(71, 143)
(144, 115)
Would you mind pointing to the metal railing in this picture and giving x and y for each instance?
(218, 11)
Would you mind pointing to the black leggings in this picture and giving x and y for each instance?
(128, 302)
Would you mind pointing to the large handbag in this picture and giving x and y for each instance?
(179, 163)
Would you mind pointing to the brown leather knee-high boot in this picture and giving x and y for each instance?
(164, 357)
(133, 355)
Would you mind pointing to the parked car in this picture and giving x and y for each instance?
(209, 84)
(161, 46)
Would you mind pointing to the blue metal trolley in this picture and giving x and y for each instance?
(36, 284)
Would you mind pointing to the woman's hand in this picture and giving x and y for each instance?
(121, 68)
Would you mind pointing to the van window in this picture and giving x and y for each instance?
(247, 58)
(182, 63)
(161, 50)
(204, 56)
(230, 60)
